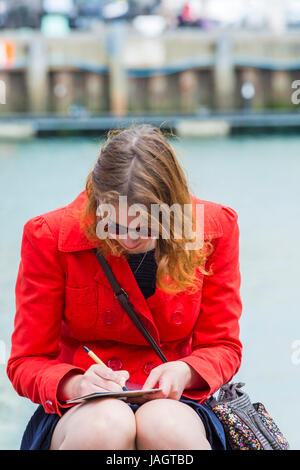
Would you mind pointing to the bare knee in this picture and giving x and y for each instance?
(106, 424)
(169, 424)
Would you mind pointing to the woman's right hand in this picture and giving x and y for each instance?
(97, 378)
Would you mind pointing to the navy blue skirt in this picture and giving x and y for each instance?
(39, 430)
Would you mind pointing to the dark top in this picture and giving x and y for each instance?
(146, 273)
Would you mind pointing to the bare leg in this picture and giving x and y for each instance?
(169, 424)
(108, 423)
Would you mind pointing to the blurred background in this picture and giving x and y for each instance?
(87, 58)
(224, 77)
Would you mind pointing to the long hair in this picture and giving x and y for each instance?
(139, 163)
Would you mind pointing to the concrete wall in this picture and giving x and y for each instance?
(117, 71)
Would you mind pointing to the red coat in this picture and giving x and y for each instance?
(64, 301)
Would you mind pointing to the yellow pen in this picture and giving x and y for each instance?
(98, 361)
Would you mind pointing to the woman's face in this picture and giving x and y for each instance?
(130, 231)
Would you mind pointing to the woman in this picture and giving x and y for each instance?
(186, 295)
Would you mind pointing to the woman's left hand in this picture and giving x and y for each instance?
(172, 377)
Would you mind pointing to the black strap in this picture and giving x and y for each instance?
(122, 297)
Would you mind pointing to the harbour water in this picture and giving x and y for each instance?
(258, 176)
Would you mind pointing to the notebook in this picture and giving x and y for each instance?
(121, 394)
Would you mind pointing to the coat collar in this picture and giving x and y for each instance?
(71, 238)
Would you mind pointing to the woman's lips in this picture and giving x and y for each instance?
(130, 247)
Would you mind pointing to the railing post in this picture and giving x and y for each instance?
(3, 88)
(224, 76)
(37, 75)
(116, 36)
(281, 88)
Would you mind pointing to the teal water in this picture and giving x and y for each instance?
(257, 176)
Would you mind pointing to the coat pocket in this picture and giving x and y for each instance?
(81, 308)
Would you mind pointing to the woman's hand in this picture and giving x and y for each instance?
(172, 377)
(98, 378)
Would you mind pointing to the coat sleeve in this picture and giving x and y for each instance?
(33, 367)
(216, 348)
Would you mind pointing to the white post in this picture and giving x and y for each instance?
(224, 76)
(2, 92)
(37, 75)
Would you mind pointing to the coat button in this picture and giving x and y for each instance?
(109, 317)
(114, 363)
(49, 405)
(177, 317)
(149, 366)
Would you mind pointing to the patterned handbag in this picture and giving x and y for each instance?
(247, 426)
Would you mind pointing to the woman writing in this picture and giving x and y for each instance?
(188, 299)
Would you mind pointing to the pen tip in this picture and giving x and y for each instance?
(86, 349)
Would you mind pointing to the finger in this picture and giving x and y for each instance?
(109, 374)
(122, 382)
(125, 373)
(108, 385)
(165, 384)
(176, 391)
(122, 376)
(152, 380)
(103, 371)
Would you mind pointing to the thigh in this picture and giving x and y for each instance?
(169, 424)
(83, 423)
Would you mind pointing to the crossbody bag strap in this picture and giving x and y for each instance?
(122, 298)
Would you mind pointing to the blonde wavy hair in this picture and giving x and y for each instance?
(138, 162)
